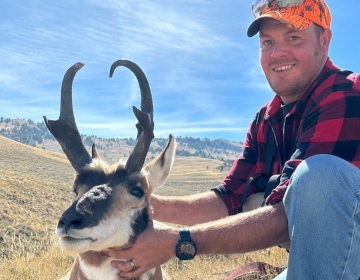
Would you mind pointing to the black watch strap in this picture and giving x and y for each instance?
(185, 234)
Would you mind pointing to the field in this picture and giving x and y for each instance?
(35, 187)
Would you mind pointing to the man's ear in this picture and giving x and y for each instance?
(325, 39)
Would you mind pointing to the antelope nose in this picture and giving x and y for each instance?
(68, 222)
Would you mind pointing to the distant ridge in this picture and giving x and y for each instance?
(37, 135)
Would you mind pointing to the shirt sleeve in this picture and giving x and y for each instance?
(232, 188)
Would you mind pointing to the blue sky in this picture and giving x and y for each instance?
(203, 70)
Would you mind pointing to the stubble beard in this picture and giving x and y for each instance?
(299, 84)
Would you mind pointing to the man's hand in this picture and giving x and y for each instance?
(153, 247)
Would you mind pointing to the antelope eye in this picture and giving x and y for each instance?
(137, 192)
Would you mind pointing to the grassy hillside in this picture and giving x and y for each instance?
(35, 187)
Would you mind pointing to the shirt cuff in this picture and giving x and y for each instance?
(220, 189)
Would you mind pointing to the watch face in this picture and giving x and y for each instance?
(186, 250)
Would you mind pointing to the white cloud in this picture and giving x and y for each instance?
(191, 60)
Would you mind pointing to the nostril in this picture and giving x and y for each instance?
(69, 222)
(76, 222)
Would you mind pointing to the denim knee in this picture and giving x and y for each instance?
(316, 176)
(322, 204)
(319, 183)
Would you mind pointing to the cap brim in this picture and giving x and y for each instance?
(255, 25)
(292, 21)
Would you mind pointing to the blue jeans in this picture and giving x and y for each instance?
(322, 204)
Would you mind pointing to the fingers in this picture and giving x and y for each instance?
(114, 254)
(123, 266)
(128, 269)
(118, 254)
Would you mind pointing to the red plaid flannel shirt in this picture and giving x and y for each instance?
(325, 120)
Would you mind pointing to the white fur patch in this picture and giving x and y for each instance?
(106, 271)
(103, 272)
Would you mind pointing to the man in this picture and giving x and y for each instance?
(315, 119)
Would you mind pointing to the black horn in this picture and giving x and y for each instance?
(145, 125)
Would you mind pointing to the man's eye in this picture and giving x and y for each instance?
(294, 38)
(267, 43)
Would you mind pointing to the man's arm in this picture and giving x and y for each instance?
(258, 229)
(188, 210)
(255, 230)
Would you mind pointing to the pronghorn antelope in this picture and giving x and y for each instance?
(112, 202)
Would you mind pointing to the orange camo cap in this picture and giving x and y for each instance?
(296, 14)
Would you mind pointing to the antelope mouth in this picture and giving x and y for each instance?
(74, 239)
(78, 245)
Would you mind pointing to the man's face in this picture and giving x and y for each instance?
(291, 59)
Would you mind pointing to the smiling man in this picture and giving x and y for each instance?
(301, 155)
(291, 59)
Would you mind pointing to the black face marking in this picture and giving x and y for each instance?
(91, 178)
(118, 177)
(88, 210)
(70, 219)
(139, 224)
(91, 199)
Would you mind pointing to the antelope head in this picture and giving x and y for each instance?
(111, 206)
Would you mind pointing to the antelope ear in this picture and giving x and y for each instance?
(94, 152)
(159, 168)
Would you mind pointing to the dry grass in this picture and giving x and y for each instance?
(35, 189)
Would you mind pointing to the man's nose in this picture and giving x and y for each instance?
(279, 50)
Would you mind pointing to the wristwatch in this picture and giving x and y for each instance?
(186, 247)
